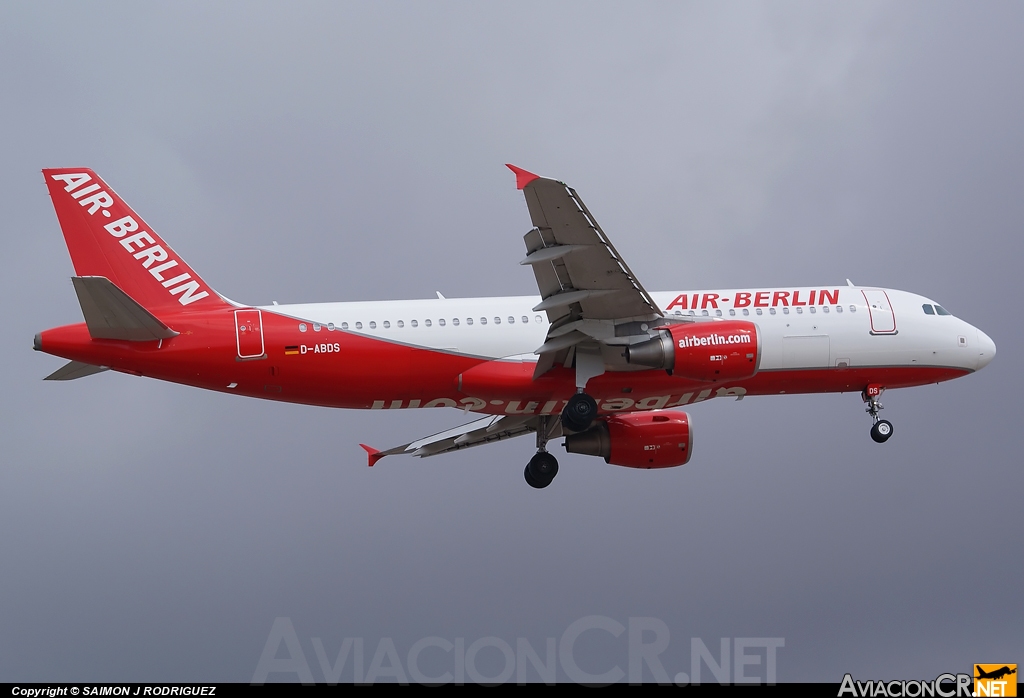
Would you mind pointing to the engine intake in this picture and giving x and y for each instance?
(656, 439)
(705, 351)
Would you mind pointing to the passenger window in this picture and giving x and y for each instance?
(497, 320)
(387, 324)
(839, 308)
(373, 324)
(759, 311)
(344, 325)
(455, 321)
(718, 313)
(813, 310)
(746, 312)
(928, 309)
(704, 313)
(469, 321)
(732, 311)
(824, 309)
(853, 308)
(799, 311)
(330, 327)
(771, 311)
(939, 310)
(413, 323)
(316, 326)
(679, 312)
(441, 322)
(511, 320)
(785, 310)
(359, 325)
(426, 323)
(302, 327)
(526, 320)
(692, 312)
(483, 321)
(537, 318)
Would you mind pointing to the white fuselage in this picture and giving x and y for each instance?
(849, 329)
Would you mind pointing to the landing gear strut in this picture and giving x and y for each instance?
(881, 430)
(543, 467)
(579, 413)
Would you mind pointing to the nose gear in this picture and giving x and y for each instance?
(882, 429)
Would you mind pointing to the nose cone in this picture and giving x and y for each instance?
(986, 350)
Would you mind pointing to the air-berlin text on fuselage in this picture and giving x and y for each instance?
(713, 340)
(756, 299)
(141, 245)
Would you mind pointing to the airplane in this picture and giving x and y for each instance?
(995, 674)
(594, 359)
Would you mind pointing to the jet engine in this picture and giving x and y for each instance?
(656, 439)
(724, 350)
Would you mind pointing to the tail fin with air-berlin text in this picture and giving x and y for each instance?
(107, 238)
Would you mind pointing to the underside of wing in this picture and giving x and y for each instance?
(587, 289)
(482, 431)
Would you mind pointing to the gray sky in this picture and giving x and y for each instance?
(333, 151)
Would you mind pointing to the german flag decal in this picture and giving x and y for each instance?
(291, 350)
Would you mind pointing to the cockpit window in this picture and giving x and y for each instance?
(939, 310)
(928, 310)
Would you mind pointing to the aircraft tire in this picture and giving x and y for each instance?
(541, 470)
(579, 413)
(881, 431)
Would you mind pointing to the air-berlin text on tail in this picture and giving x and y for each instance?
(99, 200)
(756, 299)
(141, 245)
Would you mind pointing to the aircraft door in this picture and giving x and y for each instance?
(883, 319)
(249, 333)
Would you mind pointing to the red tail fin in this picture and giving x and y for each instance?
(107, 238)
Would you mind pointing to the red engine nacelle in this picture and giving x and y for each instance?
(658, 439)
(706, 351)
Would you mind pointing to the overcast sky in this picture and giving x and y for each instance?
(329, 151)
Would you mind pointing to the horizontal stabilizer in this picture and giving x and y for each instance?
(110, 313)
(74, 369)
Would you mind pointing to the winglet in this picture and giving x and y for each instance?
(522, 176)
(373, 454)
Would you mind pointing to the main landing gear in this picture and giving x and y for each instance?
(541, 470)
(578, 415)
(579, 412)
(881, 430)
(543, 467)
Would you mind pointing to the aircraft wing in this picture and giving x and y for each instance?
(586, 288)
(483, 431)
